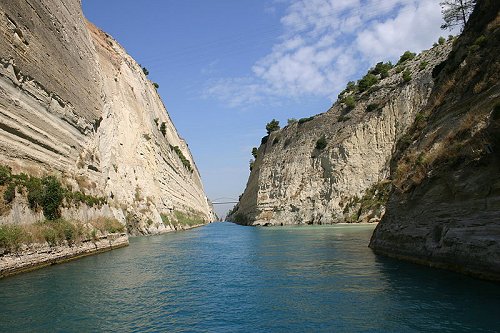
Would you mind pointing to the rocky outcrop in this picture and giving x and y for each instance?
(445, 207)
(75, 105)
(333, 167)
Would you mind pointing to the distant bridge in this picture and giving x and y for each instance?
(224, 201)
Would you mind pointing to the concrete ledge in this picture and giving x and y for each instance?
(41, 255)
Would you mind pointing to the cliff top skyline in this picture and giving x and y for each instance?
(226, 68)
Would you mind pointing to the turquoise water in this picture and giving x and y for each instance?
(229, 278)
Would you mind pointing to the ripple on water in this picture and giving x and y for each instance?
(228, 278)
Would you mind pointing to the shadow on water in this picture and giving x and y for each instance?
(229, 278)
(431, 299)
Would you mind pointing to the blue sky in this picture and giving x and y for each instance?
(227, 67)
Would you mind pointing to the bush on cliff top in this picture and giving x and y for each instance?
(272, 126)
(406, 56)
(367, 81)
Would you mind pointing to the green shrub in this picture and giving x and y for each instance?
(52, 197)
(351, 87)
(163, 128)
(5, 174)
(367, 81)
(145, 71)
(156, 85)
(272, 126)
(372, 107)
(423, 65)
(321, 143)
(441, 40)
(10, 193)
(184, 160)
(406, 76)
(264, 139)
(305, 120)
(254, 152)
(382, 69)
(35, 192)
(350, 102)
(406, 56)
(291, 121)
(399, 69)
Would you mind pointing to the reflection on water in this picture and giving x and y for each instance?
(228, 278)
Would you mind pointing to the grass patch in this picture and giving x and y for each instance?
(188, 219)
(55, 232)
(165, 219)
(12, 237)
(108, 225)
(184, 160)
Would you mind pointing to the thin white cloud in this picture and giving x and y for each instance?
(325, 43)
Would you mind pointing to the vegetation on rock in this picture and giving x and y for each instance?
(55, 232)
(406, 56)
(163, 128)
(321, 143)
(184, 160)
(272, 126)
(46, 193)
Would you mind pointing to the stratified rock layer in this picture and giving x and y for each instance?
(294, 182)
(73, 103)
(445, 208)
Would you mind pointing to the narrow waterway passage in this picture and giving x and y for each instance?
(229, 278)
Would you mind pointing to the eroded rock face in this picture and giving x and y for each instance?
(73, 103)
(445, 209)
(295, 182)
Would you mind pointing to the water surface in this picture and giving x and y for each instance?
(229, 278)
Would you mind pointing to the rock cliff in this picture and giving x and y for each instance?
(444, 210)
(73, 104)
(333, 167)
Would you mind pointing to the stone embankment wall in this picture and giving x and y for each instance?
(40, 255)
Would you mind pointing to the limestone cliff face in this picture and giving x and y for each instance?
(294, 181)
(445, 207)
(73, 103)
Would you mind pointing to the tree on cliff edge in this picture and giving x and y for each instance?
(456, 12)
(272, 126)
